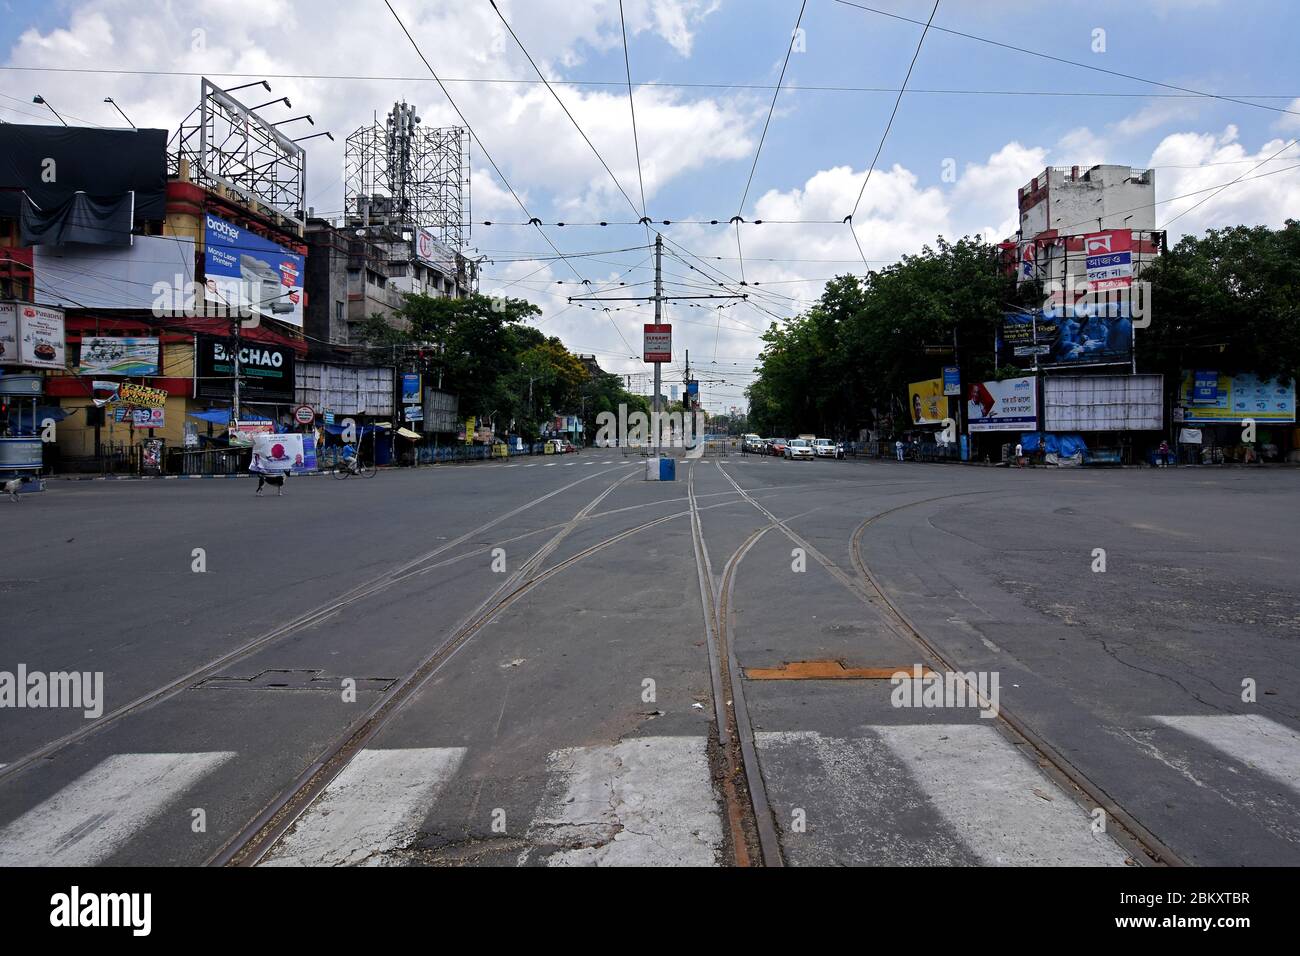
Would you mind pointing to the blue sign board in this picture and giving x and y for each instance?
(411, 389)
(951, 380)
(248, 274)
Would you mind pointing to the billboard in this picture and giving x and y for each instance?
(151, 274)
(951, 380)
(1064, 338)
(267, 371)
(242, 270)
(927, 403)
(31, 336)
(1109, 259)
(1011, 405)
(411, 388)
(657, 345)
(141, 396)
(113, 355)
(434, 253)
(1098, 403)
(1209, 397)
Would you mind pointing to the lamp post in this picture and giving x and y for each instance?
(109, 99)
(40, 100)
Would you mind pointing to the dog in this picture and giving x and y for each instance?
(275, 481)
(11, 488)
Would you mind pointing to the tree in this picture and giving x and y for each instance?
(1226, 301)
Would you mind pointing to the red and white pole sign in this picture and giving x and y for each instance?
(658, 343)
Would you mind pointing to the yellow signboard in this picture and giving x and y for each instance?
(469, 429)
(141, 396)
(927, 403)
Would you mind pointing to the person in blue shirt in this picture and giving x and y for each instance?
(349, 457)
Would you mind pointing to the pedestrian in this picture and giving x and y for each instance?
(1164, 454)
(898, 449)
(1020, 455)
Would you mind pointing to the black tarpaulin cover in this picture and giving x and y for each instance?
(51, 163)
(81, 219)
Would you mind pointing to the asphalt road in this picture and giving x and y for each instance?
(567, 665)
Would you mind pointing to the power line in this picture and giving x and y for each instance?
(1058, 59)
(488, 155)
(631, 102)
(771, 109)
(523, 81)
(1226, 185)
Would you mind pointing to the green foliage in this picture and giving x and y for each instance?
(1228, 301)
(865, 340)
(500, 368)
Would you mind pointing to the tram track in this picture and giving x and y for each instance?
(263, 832)
(1143, 846)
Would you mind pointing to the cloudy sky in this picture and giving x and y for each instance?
(980, 120)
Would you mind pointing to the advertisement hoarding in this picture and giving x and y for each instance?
(434, 253)
(141, 396)
(1093, 403)
(1064, 338)
(1109, 259)
(267, 371)
(411, 388)
(951, 380)
(242, 270)
(31, 336)
(1010, 405)
(1235, 398)
(114, 355)
(153, 273)
(926, 402)
(658, 343)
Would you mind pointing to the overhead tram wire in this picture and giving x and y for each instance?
(1226, 185)
(520, 81)
(1081, 65)
(488, 155)
(631, 102)
(740, 211)
(885, 135)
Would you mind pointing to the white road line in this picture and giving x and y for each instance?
(1265, 745)
(374, 807)
(550, 464)
(647, 801)
(86, 821)
(994, 798)
(533, 465)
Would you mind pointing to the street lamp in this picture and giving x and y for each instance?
(41, 101)
(247, 85)
(282, 99)
(109, 99)
(294, 119)
(313, 136)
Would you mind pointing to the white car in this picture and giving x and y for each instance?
(799, 448)
(825, 448)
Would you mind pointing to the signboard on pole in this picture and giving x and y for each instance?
(304, 414)
(411, 388)
(658, 343)
(951, 380)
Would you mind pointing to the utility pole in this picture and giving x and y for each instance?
(659, 301)
(238, 323)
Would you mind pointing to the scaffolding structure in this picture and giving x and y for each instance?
(226, 147)
(403, 175)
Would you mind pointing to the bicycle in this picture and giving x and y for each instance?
(345, 469)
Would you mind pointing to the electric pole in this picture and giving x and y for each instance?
(659, 301)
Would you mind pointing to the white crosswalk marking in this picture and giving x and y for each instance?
(998, 807)
(1267, 746)
(87, 820)
(990, 794)
(647, 801)
(374, 807)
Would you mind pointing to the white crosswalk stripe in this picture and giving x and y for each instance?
(997, 808)
(87, 820)
(1265, 745)
(647, 801)
(374, 807)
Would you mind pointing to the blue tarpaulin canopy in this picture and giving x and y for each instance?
(1065, 445)
(221, 416)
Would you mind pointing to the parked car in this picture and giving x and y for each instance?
(826, 448)
(799, 448)
(751, 444)
(776, 446)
